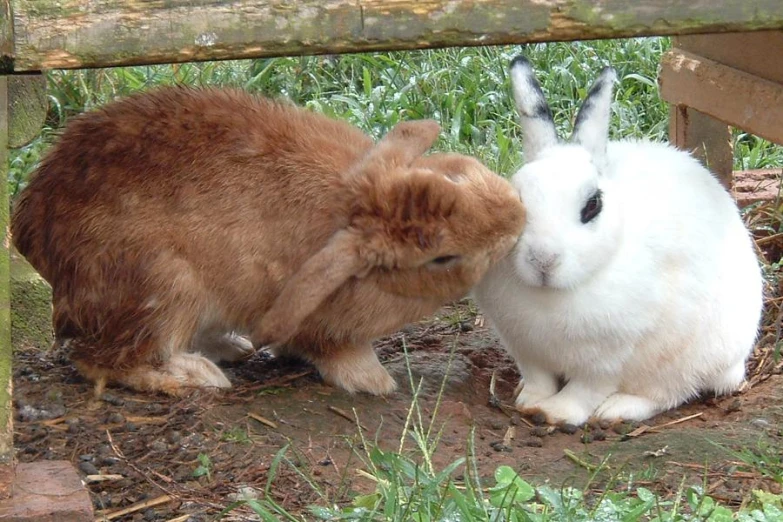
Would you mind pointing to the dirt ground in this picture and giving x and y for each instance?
(167, 459)
(148, 447)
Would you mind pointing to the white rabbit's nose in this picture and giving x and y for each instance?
(543, 261)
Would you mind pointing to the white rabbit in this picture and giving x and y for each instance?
(634, 282)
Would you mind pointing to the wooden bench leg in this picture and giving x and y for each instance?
(707, 138)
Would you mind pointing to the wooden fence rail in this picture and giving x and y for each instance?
(52, 34)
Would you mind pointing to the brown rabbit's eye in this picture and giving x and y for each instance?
(592, 208)
(444, 260)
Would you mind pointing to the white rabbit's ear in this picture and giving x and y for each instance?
(591, 127)
(538, 127)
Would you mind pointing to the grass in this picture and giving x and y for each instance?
(466, 90)
(407, 487)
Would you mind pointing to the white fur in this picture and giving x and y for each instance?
(655, 300)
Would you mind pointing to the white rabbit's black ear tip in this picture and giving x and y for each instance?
(520, 61)
(608, 73)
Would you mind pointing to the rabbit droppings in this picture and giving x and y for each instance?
(634, 282)
(168, 220)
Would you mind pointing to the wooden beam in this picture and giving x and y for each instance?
(749, 52)
(72, 33)
(735, 97)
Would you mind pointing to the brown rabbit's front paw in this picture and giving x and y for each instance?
(356, 370)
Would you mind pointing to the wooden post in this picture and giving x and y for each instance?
(6, 409)
(707, 138)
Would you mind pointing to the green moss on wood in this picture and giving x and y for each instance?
(28, 104)
(31, 307)
(6, 430)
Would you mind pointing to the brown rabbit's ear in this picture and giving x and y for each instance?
(406, 142)
(316, 280)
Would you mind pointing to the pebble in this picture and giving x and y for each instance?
(104, 449)
(587, 438)
(538, 418)
(539, 431)
(760, 423)
(499, 446)
(599, 435)
(159, 445)
(115, 418)
(568, 429)
(88, 468)
(534, 443)
(87, 457)
(149, 514)
(466, 327)
(109, 461)
(174, 437)
(129, 426)
(735, 405)
(112, 399)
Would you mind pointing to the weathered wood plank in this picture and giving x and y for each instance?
(725, 93)
(73, 33)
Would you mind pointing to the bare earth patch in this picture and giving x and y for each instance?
(171, 457)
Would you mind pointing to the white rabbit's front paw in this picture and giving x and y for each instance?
(528, 394)
(560, 409)
(623, 406)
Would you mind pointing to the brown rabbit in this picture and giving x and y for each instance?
(168, 220)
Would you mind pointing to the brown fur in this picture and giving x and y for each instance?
(168, 215)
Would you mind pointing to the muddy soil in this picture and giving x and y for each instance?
(195, 455)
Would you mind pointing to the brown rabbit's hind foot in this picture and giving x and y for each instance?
(355, 370)
(177, 377)
(220, 346)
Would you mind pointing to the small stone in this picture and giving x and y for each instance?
(173, 437)
(87, 457)
(499, 446)
(735, 405)
(622, 428)
(159, 445)
(149, 514)
(586, 438)
(429, 340)
(534, 442)
(88, 468)
(130, 426)
(605, 424)
(115, 418)
(538, 418)
(104, 449)
(109, 461)
(325, 462)
(760, 423)
(599, 435)
(568, 429)
(539, 431)
(112, 399)
(466, 326)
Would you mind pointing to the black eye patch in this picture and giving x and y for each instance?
(442, 260)
(592, 207)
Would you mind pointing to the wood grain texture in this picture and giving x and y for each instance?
(725, 93)
(73, 33)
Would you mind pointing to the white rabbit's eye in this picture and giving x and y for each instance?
(592, 208)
